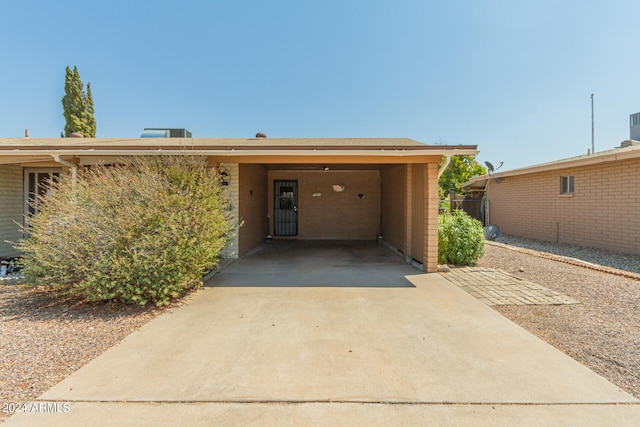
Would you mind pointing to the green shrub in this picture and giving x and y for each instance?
(141, 232)
(460, 239)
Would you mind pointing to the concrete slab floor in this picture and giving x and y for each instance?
(304, 263)
(278, 354)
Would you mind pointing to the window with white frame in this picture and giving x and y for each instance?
(566, 184)
(36, 184)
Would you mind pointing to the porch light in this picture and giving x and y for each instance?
(338, 188)
(224, 177)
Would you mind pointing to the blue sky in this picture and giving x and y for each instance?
(513, 77)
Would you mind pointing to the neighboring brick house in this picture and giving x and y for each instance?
(591, 200)
(289, 188)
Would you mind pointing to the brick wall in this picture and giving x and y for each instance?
(603, 212)
(253, 195)
(418, 211)
(430, 261)
(332, 215)
(11, 207)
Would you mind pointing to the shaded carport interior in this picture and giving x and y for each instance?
(386, 202)
(316, 263)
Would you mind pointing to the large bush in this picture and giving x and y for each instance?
(460, 239)
(140, 232)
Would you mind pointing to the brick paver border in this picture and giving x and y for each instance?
(496, 287)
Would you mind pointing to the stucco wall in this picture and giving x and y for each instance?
(603, 212)
(332, 215)
(253, 195)
(393, 206)
(11, 207)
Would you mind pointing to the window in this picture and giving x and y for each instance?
(566, 185)
(36, 183)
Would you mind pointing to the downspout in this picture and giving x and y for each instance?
(447, 160)
(72, 166)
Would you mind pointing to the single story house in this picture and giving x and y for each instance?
(591, 200)
(290, 188)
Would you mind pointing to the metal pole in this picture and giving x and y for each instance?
(593, 149)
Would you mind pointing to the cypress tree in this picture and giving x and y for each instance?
(78, 106)
(90, 118)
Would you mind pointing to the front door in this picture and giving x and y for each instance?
(285, 208)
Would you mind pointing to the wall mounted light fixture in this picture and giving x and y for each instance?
(338, 188)
(224, 177)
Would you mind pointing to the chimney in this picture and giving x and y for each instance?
(261, 135)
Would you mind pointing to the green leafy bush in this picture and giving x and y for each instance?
(460, 239)
(141, 232)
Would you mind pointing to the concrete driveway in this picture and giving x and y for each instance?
(301, 334)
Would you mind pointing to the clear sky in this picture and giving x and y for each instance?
(511, 76)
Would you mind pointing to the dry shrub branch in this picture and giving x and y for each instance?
(141, 232)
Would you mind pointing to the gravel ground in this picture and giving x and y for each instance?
(43, 339)
(603, 331)
(629, 263)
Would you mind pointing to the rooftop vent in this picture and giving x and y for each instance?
(76, 135)
(261, 135)
(634, 124)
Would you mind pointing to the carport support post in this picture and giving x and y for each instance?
(431, 217)
(408, 215)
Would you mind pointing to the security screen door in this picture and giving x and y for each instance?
(285, 208)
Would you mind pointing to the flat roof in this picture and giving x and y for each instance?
(266, 144)
(29, 150)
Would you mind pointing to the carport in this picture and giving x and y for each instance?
(362, 189)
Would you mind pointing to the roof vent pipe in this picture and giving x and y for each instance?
(26, 133)
(261, 135)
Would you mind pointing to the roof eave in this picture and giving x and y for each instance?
(232, 152)
(571, 163)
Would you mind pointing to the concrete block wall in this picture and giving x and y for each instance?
(603, 212)
(11, 207)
